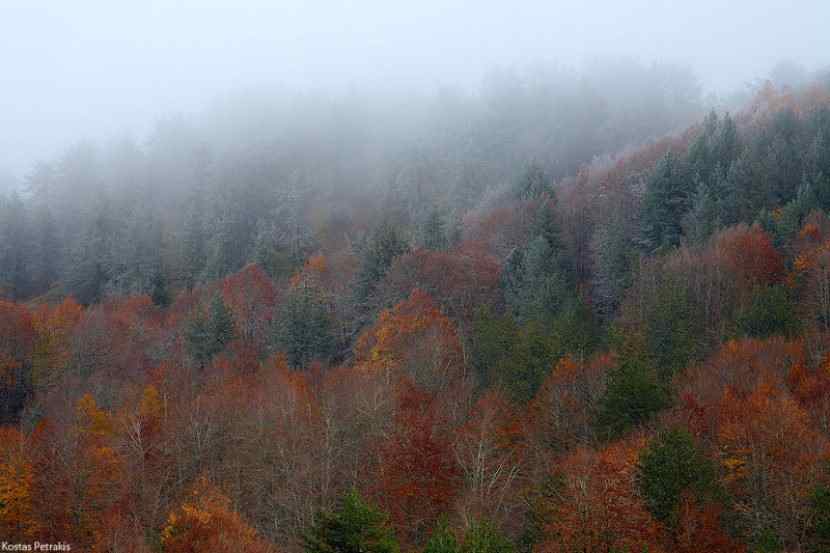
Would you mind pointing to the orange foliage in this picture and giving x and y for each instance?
(16, 515)
(771, 456)
(416, 339)
(205, 521)
(737, 366)
(599, 509)
(54, 326)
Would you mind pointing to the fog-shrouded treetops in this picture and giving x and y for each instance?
(574, 311)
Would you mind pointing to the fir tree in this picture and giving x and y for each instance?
(434, 232)
(355, 527)
(533, 183)
(671, 465)
(209, 335)
(633, 395)
(442, 540)
(304, 330)
(666, 200)
(384, 245)
(484, 537)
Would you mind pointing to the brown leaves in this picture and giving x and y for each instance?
(17, 519)
(419, 477)
(205, 521)
(416, 339)
(598, 508)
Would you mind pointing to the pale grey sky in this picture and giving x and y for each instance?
(74, 69)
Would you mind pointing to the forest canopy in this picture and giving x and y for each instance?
(575, 310)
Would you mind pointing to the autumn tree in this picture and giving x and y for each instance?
(205, 521)
(18, 521)
(490, 450)
(250, 296)
(419, 477)
(598, 507)
(769, 478)
(54, 326)
(414, 338)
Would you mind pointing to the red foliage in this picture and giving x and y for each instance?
(490, 448)
(599, 509)
(251, 297)
(560, 416)
(749, 253)
(699, 529)
(418, 477)
(461, 281)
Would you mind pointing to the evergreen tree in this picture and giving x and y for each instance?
(673, 330)
(434, 231)
(271, 253)
(787, 225)
(533, 183)
(46, 261)
(484, 537)
(543, 290)
(90, 266)
(548, 228)
(727, 145)
(442, 540)
(512, 279)
(666, 200)
(209, 335)
(355, 527)
(304, 330)
(493, 339)
(671, 465)
(820, 517)
(632, 396)
(199, 345)
(384, 245)
(703, 219)
(770, 313)
(14, 248)
(194, 255)
(223, 251)
(159, 291)
(614, 257)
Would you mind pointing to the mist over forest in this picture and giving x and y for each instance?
(364, 278)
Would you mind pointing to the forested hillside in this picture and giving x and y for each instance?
(571, 312)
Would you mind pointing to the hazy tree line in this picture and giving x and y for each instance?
(463, 326)
(204, 194)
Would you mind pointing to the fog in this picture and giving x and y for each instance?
(100, 69)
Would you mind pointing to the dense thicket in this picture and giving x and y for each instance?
(316, 337)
